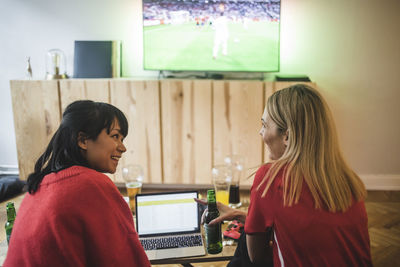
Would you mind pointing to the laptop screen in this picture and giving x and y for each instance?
(167, 213)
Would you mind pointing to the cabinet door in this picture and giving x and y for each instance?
(187, 131)
(282, 85)
(95, 89)
(237, 111)
(140, 102)
(72, 90)
(269, 89)
(272, 87)
(36, 118)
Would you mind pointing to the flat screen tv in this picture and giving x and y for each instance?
(211, 35)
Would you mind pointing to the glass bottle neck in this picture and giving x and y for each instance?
(10, 215)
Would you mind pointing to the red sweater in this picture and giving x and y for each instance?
(305, 236)
(76, 218)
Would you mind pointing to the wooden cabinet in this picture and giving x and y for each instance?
(178, 129)
(186, 112)
(140, 102)
(238, 107)
(36, 117)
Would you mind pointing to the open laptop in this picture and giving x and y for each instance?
(168, 225)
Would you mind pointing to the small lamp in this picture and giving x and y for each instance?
(56, 65)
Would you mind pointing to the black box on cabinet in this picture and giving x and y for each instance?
(292, 78)
(97, 59)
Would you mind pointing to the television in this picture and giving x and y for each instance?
(211, 35)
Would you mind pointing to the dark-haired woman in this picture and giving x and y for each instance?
(74, 215)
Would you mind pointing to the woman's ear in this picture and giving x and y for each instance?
(286, 138)
(82, 140)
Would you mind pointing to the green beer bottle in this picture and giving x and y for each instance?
(212, 232)
(10, 220)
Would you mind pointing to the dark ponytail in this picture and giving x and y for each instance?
(83, 116)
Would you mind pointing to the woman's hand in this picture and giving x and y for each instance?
(226, 213)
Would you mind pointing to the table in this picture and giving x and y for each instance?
(225, 255)
(227, 252)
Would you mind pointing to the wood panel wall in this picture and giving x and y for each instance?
(36, 118)
(79, 89)
(93, 89)
(178, 129)
(186, 131)
(140, 102)
(238, 107)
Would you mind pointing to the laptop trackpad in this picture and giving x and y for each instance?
(179, 252)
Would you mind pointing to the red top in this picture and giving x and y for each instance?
(76, 218)
(305, 236)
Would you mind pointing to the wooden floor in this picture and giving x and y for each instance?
(383, 208)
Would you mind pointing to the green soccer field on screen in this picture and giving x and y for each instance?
(251, 47)
(203, 35)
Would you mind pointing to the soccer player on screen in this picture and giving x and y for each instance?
(221, 35)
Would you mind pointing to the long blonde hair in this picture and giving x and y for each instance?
(312, 153)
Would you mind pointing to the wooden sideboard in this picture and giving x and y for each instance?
(178, 129)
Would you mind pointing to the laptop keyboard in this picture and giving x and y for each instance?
(171, 242)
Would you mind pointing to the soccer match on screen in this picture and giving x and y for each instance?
(211, 35)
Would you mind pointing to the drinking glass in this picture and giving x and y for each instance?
(133, 177)
(235, 163)
(222, 176)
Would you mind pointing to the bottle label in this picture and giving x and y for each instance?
(212, 233)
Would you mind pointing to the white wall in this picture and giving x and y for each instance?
(32, 27)
(351, 49)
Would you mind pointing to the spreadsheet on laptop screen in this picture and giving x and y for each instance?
(167, 213)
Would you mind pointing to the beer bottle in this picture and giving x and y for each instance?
(212, 232)
(10, 220)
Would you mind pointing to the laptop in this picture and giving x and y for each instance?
(168, 225)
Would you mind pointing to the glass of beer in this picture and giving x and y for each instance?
(133, 177)
(235, 162)
(222, 176)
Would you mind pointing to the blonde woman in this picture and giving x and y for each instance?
(307, 195)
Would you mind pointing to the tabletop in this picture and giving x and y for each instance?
(225, 255)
